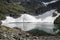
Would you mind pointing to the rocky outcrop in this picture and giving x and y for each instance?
(57, 20)
(7, 33)
(54, 14)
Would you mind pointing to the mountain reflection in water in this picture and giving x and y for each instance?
(27, 26)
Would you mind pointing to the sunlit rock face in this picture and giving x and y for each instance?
(8, 19)
(26, 18)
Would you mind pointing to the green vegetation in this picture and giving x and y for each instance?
(57, 20)
(10, 9)
(14, 9)
(2, 17)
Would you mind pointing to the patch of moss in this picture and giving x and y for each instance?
(57, 20)
(2, 17)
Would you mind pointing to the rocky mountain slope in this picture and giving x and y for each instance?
(14, 8)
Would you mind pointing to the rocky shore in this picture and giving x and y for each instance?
(7, 33)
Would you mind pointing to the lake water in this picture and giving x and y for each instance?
(28, 26)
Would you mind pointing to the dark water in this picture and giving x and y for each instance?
(54, 29)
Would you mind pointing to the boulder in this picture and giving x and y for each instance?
(54, 14)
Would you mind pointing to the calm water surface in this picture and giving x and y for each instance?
(28, 26)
